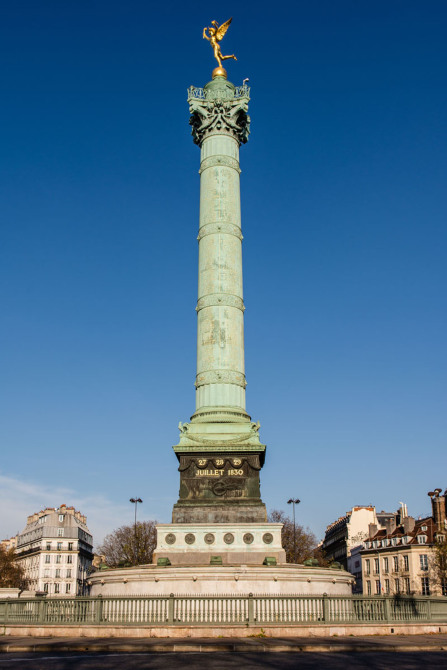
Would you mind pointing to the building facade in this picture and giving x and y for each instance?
(344, 538)
(55, 551)
(399, 559)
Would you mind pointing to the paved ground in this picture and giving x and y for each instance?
(373, 643)
(411, 652)
(226, 661)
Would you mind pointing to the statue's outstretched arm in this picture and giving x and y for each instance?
(205, 36)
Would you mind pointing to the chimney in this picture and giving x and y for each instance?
(372, 529)
(438, 508)
(390, 525)
(409, 524)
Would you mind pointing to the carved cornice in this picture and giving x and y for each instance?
(219, 116)
(220, 300)
(221, 377)
(220, 161)
(220, 228)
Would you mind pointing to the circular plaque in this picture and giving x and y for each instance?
(268, 538)
(248, 538)
(170, 538)
(228, 538)
(190, 538)
(209, 538)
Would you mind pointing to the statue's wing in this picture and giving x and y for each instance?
(223, 29)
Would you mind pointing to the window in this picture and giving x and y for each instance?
(377, 587)
(376, 566)
(368, 566)
(422, 539)
(425, 584)
(67, 588)
(60, 532)
(58, 572)
(47, 558)
(396, 586)
(407, 585)
(48, 546)
(46, 572)
(69, 558)
(70, 546)
(368, 588)
(385, 564)
(394, 541)
(58, 558)
(56, 588)
(444, 587)
(61, 517)
(396, 563)
(387, 586)
(440, 538)
(68, 574)
(423, 558)
(406, 563)
(423, 527)
(46, 587)
(59, 546)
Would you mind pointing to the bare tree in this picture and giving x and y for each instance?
(11, 573)
(438, 565)
(130, 545)
(305, 545)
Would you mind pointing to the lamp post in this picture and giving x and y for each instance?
(293, 502)
(135, 501)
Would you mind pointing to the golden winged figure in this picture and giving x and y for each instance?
(216, 34)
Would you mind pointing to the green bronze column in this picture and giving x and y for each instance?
(220, 382)
(219, 450)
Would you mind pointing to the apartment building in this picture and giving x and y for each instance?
(55, 551)
(399, 558)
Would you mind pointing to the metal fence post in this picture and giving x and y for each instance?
(251, 609)
(326, 609)
(98, 609)
(387, 609)
(7, 610)
(428, 609)
(171, 608)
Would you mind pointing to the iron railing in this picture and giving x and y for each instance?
(222, 610)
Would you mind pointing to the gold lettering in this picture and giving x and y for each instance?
(233, 473)
(209, 473)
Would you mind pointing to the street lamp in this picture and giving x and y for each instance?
(294, 501)
(135, 501)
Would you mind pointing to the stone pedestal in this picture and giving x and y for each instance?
(223, 543)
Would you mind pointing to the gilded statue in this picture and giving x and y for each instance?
(216, 34)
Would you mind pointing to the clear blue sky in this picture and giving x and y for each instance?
(344, 220)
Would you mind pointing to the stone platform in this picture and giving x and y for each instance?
(286, 579)
(233, 543)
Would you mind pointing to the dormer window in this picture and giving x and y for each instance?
(394, 541)
(440, 538)
(61, 517)
(422, 539)
(424, 528)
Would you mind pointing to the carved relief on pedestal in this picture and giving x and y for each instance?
(219, 477)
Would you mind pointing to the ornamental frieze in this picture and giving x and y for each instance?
(220, 300)
(220, 228)
(220, 161)
(220, 377)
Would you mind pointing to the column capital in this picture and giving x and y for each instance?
(219, 108)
